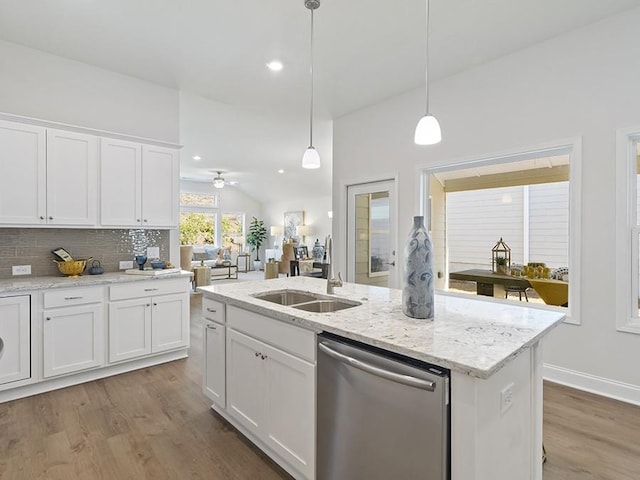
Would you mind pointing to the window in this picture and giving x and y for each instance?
(198, 215)
(530, 200)
(628, 230)
(232, 230)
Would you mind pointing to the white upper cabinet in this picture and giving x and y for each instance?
(120, 183)
(139, 185)
(23, 167)
(49, 177)
(72, 178)
(160, 185)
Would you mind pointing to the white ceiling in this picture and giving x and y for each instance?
(366, 51)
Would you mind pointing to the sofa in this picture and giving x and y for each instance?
(196, 255)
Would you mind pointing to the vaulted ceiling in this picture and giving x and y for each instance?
(366, 51)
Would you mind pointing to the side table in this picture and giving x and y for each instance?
(247, 262)
(271, 270)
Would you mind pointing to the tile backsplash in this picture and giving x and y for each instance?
(32, 246)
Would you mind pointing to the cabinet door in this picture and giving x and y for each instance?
(22, 182)
(15, 339)
(129, 329)
(213, 369)
(169, 322)
(72, 178)
(245, 380)
(289, 424)
(120, 183)
(160, 184)
(73, 339)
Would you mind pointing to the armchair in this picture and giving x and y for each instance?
(288, 254)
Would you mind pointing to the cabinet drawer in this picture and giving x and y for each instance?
(213, 310)
(126, 291)
(289, 338)
(72, 296)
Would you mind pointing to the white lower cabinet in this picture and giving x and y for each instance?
(213, 371)
(147, 324)
(15, 339)
(73, 339)
(271, 392)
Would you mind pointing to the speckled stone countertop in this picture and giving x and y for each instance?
(42, 283)
(468, 335)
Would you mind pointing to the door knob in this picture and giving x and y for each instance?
(393, 264)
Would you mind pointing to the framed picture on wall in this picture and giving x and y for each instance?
(292, 220)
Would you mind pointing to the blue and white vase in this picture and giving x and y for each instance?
(418, 287)
(318, 252)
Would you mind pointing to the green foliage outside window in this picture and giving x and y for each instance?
(196, 228)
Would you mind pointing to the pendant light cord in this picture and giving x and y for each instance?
(311, 69)
(427, 59)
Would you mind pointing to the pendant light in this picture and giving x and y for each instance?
(428, 129)
(218, 181)
(311, 158)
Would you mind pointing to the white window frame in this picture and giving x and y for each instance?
(244, 222)
(213, 210)
(572, 146)
(627, 230)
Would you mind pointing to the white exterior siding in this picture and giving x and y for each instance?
(549, 224)
(477, 219)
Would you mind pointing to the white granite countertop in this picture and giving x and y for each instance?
(469, 335)
(25, 284)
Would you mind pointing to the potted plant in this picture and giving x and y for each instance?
(501, 265)
(255, 238)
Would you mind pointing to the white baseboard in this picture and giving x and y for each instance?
(606, 387)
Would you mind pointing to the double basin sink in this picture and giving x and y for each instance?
(307, 301)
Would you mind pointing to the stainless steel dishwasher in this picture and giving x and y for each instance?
(380, 415)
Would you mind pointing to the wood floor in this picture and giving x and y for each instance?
(155, 424)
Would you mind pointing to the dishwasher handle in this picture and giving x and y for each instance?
(380, 372)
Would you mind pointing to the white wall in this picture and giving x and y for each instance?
(40, 85)
(315, 214)
(584, 83)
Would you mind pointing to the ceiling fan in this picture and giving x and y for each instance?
(220, 182)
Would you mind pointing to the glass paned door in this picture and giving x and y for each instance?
(371, 234)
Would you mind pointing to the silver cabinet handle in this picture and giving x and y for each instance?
(264, 357)
(48, 318)
(1, 346)
(211, 310)
(380, 372)
(210, 319)
(211, 327)
(50, 218)
(393, 264)
(257, 354)
(148, 305)
(150, 289)
(72, 298)
(41, 217)
(146, 220)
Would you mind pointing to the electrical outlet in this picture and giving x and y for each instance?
(125, 264)
(506, 398)
(21, 270)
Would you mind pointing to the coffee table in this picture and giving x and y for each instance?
(223, 272)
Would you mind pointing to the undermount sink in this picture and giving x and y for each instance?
(324, 306)
(307, 301)
(288, 297)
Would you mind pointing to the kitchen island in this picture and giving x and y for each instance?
(492, 348)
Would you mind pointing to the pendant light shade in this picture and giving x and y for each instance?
(428, 129)
(311, 157)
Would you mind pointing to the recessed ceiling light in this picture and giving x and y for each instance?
(281, 171)
(275, 65)
(197, 157)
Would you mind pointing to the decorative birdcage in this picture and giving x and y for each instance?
(500, 258)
